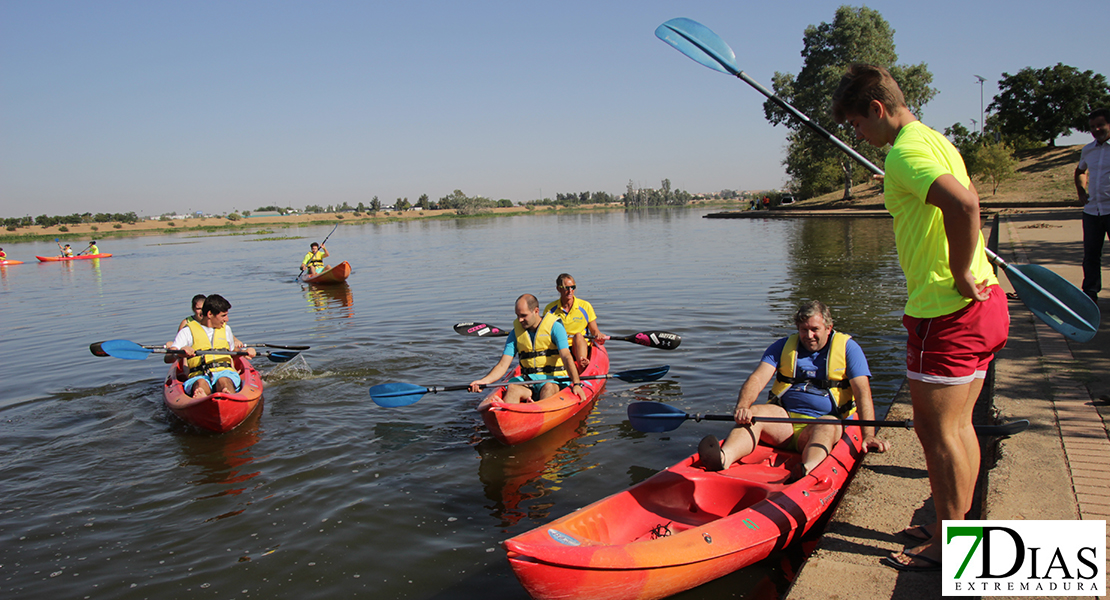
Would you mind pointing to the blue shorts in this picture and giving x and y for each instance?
(211, 378)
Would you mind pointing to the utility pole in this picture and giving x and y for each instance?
(982, 122)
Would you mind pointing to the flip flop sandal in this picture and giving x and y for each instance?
(710, 454)
(918, 532)
(925, 563)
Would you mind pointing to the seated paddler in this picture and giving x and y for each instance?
(313, 262)
(211, 331)
(540, 340)
(579, 319)
(818, 374)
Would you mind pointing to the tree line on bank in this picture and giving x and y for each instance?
(12, 223)
(1032, 109)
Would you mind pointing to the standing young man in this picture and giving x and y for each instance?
(956, 314)
(1092, 182)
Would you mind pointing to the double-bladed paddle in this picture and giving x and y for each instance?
(664, 340)
(392, 395)
(97, 349)
(1052, 298)
(653, 417)
(129, 350)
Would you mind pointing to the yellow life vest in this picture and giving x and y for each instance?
(543, 356)
(314, 259)
(836, 369)
(208, 363)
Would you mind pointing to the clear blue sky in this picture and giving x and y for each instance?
(171, 106)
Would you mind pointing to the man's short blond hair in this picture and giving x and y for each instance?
(862, 84)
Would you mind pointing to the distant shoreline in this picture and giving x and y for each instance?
(85, 232)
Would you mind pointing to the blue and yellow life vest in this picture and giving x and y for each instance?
(208, 363)
(543, 355)
(836, 369)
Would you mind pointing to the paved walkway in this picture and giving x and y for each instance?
(1058, 469)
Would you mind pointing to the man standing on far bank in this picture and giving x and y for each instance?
(1094, 168)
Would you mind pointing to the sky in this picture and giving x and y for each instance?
(215, 106)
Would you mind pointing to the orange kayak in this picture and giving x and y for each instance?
(6, 262)
(680, 528)
(62, 258)
(218, 412)
(516, 423)
(337, 274)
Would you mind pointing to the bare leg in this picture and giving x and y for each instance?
(742, 440)
(817, 441)
(515, 394)
(580, 349)
(202, 389)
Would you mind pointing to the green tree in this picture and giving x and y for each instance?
(375, 205)
(856, 35)
(995, 163)
(967, 143)
(1044, 104)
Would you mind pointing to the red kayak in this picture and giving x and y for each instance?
(516, 423)
(62, 258)
(680, 528)
(5, 262)
(218, 412)
(337, 274)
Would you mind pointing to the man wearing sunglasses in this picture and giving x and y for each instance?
(579, 319)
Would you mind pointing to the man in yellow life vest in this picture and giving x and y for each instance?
(819, 374)
(579, 319)
(541, 342)
(209, 372)
(314, 261)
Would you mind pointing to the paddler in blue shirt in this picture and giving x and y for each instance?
(541, 342)
(819, 374)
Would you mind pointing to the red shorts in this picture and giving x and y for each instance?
(955, 349)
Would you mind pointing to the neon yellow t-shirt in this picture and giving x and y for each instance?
(918, 157)
(580, 315)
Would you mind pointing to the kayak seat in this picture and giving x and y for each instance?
(694, 499)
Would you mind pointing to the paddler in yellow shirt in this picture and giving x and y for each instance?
(578, 317)
(314, 261)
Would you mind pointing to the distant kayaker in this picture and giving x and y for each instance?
(67, 251)
(314, 261)
(819, 374)
(541, 341)
(578, 317)
(198, 308)
(209, 332)
(3, 255)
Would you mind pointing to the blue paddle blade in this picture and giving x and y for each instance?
(1057, 302)
(699, 43)
(392, 395)
(653, 417)
(279, 356)
(642, 375)
(124, 349)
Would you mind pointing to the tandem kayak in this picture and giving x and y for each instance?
(336, 274)
(218, 412)
(6, 262)
(63, 258)
(680, 528)
(516, 423)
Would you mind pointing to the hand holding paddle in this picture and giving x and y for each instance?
(664, 340)
(392, 395)
(129, 350)
(1052, 298)
(653, 417)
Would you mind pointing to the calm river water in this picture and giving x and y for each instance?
(325, 494)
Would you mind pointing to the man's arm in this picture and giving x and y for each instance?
(861, 392)
(596, 333)
(572, 370)
(1081, 184)
(494, 374)
(749, 392)
(960, 208)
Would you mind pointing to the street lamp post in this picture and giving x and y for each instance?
(982, 123)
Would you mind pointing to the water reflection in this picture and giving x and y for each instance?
(221, 463)
(514, 477)
(335, 296)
